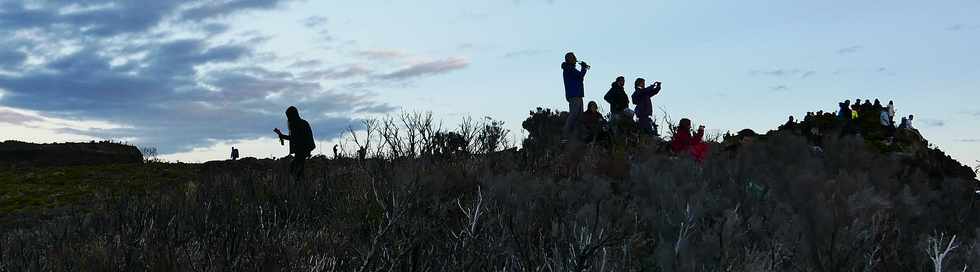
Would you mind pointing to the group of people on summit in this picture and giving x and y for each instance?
(590, 122)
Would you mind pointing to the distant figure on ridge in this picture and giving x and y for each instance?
(234, 153)
(574, 90)
(855, 111)
(300, 141)
(642, 96)
(844, 113)
(790, 124)
(891, 111)
(617, 99)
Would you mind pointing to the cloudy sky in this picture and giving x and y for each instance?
(193, 78)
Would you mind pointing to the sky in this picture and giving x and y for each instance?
(194, 78)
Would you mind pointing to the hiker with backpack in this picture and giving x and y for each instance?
(642, 98)
(574, 80)
(300, 139)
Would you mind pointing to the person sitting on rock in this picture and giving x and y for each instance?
(789, 125)
(592, 122)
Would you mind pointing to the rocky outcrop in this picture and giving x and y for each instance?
(21, 154)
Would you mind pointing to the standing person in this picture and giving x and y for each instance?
(300, 141)
(642, 96)
(910, 126)
(855, 111)
(844, 112)
(574, 90)
(234, 153)
(617, 98)
(884, 119)
(891, 111)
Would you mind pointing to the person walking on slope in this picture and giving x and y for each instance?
(574, 91)
(642, 98)
(300, 139)
(617, 99)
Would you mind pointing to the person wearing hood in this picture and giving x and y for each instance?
(300, 139)
(574, 80)
(617, 98)
(642, 98)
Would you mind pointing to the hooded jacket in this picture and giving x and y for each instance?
(617, 98)
(642, 99)
(574, 86)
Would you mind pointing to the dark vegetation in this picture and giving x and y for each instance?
(405, 195)
(14, 153)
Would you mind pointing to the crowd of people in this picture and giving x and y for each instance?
(867, 117)
(589, 124)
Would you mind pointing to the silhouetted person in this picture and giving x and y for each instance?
(891, 111)
(905, 123)
(877, 105)
(617, 98)
(336, 154)
(234, 153)
(910, 126)
(683, 142)
(642, 98)
(789, 125)
(574, 89)
(844, 113)
(592, 121)
(300, 141)
(867, 106)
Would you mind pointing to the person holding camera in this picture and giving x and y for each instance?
(642, 98)
(684, 143)
(574, 80)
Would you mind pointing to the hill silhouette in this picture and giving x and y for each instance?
(404, 195)
(14, 153)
